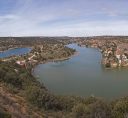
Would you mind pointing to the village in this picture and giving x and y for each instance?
(114, 50)
(42, 50)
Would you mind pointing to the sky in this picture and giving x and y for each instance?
(63, 17)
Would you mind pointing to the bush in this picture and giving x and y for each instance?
(120, 108)
(81, 111)
(98, 109)
(41, 98)
(12, 78)
(9, 76)
(68, 102)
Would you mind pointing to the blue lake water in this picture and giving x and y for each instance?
(83, 75)
(15, 51)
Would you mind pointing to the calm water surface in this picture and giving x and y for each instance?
(83, 75)
(16, 52)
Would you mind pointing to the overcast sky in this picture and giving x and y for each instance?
(63, 17)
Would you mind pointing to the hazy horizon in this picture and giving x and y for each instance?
(72, 18)
(69, 36)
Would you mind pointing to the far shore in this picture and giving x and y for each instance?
(54, 60)
(14, 48)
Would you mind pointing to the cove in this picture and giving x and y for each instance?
(83, 75)
(14, 52)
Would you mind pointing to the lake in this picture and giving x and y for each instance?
(83, 75)
(15, 51)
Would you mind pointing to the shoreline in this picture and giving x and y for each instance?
(9, 49)
(15, 48)
(111, 64)
(8, 57)
(54, 60)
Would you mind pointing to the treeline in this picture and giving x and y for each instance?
(12, 42)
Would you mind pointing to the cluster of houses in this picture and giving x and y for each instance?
(114, 52)
(115, 57)
(25, 62)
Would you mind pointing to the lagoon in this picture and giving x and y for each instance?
(83, 75)
(14, 52)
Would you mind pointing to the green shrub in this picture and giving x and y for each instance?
(9, 76)
(41, 98)
(12, 78)
(90, 100)
(81, 111)
(120, 108)
(98, 109)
